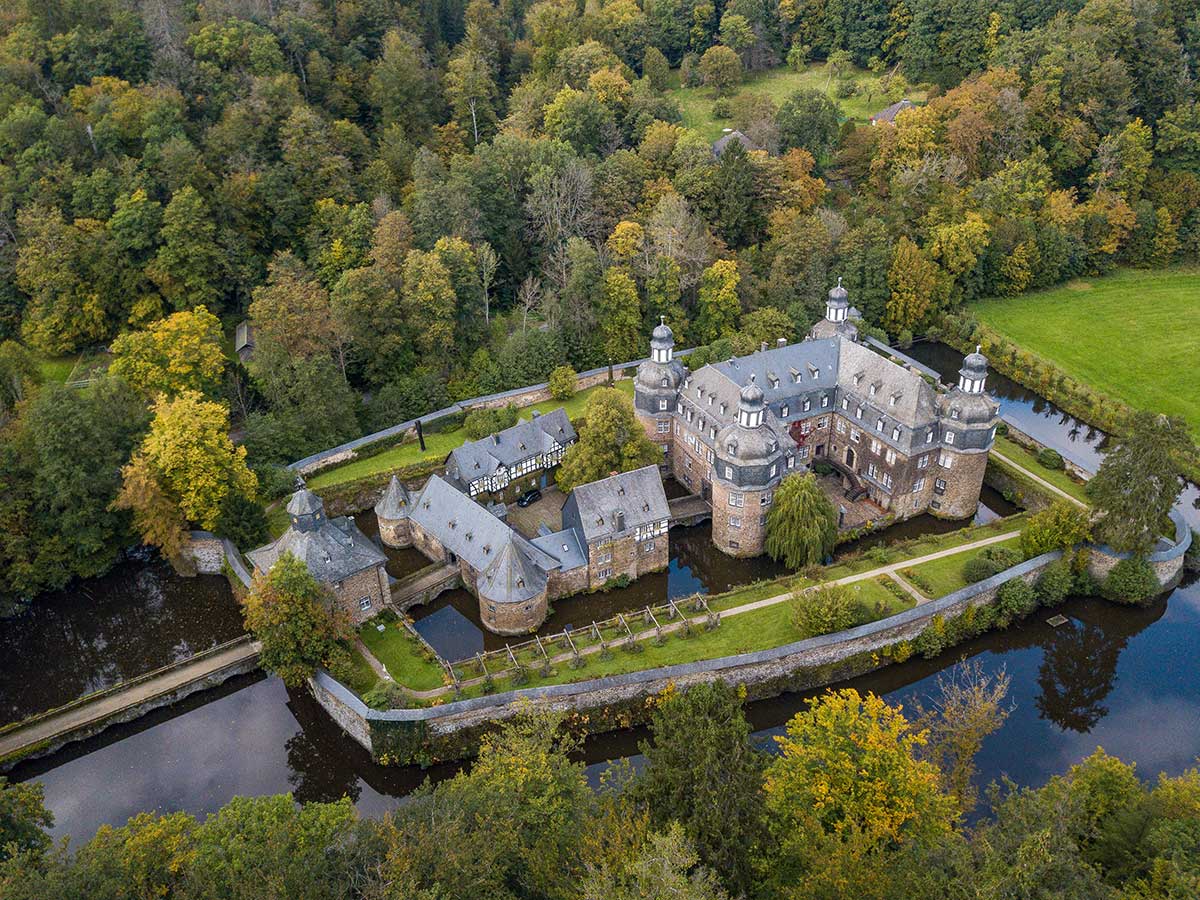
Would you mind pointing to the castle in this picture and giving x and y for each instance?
(731, 431)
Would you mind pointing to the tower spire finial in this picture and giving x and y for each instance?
(839, 281)
(662, 320)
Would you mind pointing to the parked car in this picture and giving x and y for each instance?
(529, 497)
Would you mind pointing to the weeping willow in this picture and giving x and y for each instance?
(802, 523)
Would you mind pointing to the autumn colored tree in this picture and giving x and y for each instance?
(801, 522)
(913, 280)
(1059, 526)
(719, 307)
(292, 310)
(721, 69)
(23, 819)
(179, 353)
(620, 316)
(428, 302)
(295, 618)
(611, 440)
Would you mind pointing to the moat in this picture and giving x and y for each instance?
(1112, 676)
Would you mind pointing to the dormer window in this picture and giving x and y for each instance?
(773, 379)
(700, 393)
(954, 412)
(713, 431)
(666, 382)
(879, 425)
(813, 371)
(453, 524)
(621, 490)
(929, 436)
(520, 582)
(858, 377)
(487, 548)
(949, 437)
(731, 447)
(784, 411)
(858, 413)
(711, 398)
(724, 406)
(807, 404)
(874, 389)
(895, 432)
(845, 403)
(824, 401)
(795, 373)
(470, 536)
(894, 399)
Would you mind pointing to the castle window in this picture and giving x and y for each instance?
(805, 427)
(647, 546)
(784, 411)
(823, 422)
(666, 382)
(723, 407)
(734, 545)
(949, 437)
(807, 404)
(711, 398)
(713, 434)
(795, 376)
(923, 462)
(858, 377)
(664, 426)
(929, 436)
(874, 388)
(841, 427)
(728, 473)
(887, 481)
(737, 499)
(709, 455)
(858, 413)
(773, 379)
(813, 370)
(939, 486)
(918, 485)
(735, 521)
(892, 399)
(604, 573)
(662, 404)
(954, 412)
(774, 469)
(872, 470)
(891, 457)
(879, 426)
(895, 432)
(803, 451)
(876, 446)
(825, 401)
(947, 461)
(765, 499)
(854, 436)
(845, 403)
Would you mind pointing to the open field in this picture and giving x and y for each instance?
(696, 103)
(1134, 334)
(439, 444)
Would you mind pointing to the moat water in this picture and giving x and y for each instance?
(1117, 677)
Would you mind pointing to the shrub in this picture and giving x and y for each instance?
(482, 422)
(562, 383)
(823, 468)
(386, 695)
(978, 568)
(1058, 527)
(1015, 599)
(1001, 429)
(825, 609)
(1054, 584)
(722, 108)
(1192, 558)
(1051, 459)
(1131, 581)
(1085, 584)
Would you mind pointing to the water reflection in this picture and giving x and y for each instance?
(95, 633)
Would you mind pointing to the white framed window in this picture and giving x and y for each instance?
(954, 412)
(737, 499)
(929, 436)
(729, 473)
(879, 426)
(604, 573)
(845, 403)
(735, 521)
(895, 432)
(946, 461)
(803, 451)
(364, 603)
(854, 436)
(765, 499)
(774, 469)
(805, 427)
(807, 404)
(662, 404)
(949, 437)
(711, 457)
(992, 436)
(872, 470)
(876, 447)
(874, 388)
(825, 401)
(647, 546)
(918, 485)
(784, 412)
(939, 486)
(887, 481)
(890, 456)
(823, 422)
(664, 426)
(858, 413)
(841, 427)
(923, 462)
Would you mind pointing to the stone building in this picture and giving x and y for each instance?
(391, 513)
(336, 552)
(623, 522)
(733, 430)
(512, 461)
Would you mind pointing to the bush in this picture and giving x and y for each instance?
(823, 468)
(562, 383)
(824, 610)
(1054, 584)
(243, 521)
(386, 695)
(1131, 581)
(482, 422)
(1085, 584)
(1051, 459)
(722, 108)
(1016, 599)
(1001, 429)
(989, 562)
(1058, 527)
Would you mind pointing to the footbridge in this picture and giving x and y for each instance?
(45, 732)
(690, 510)
(423, 585)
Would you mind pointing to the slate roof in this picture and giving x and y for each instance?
(333, 549)
(564, 546)
(511, 577)
(395, 502)
(466, 529)
(638, 495)
(721, 143)
(888, 114)
(540, 434)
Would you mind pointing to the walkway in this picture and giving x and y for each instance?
(431, 580)
(91, 714)
(1042, 482)
(689, 510)
(889, 570)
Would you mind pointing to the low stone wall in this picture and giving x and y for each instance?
(212, 555)
(452, 730)
(1017, 436)
(1166, 564)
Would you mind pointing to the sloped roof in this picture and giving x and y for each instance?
(395, 502)
(529, 437)
(333, 552)
(916, 401)
(721, 143)
(638, 495)
(466, 529)
(511, 577)
(889, 113)
(564, 546)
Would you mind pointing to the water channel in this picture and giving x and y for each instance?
(1117, 677)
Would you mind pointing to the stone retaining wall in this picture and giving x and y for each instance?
(212, 555)
(1166, 564)
(1017, 436)
(453, 729)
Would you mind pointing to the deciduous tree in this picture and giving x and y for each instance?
(801, 522)
(179, 353)
(612, 440)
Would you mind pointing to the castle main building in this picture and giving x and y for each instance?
(731, 431)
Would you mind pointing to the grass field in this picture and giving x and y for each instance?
(1134, 335)
(944, 576)
(439, 444)
(696, 103)
(400, 652)
(1027, 460)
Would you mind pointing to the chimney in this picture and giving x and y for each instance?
(536, 413)
(619, 521)
(762, 346)
(780, 342)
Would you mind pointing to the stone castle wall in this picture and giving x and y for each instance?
(964, 481)
(395, 533)
(367, 583)
(749, 538)
(514, 618)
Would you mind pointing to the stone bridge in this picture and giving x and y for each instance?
(424, 585)
(690, 510)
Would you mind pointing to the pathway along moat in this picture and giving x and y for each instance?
(1116, 677)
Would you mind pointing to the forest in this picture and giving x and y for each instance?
(419, 201)
(860, 799)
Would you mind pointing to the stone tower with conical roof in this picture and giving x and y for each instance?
(748, 464)
(391, 514)
(656, 387)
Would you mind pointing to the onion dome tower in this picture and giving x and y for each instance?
(839, 316)
(656, 387)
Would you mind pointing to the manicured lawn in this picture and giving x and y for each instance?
(696, 103)
(944, 576)
(362, 677)
(439, 444)
(1134, 334)
(875, 597)
(404, 658)
(56, 369)
(1027, 460)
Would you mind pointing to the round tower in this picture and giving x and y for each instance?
(306, 511)
(748, 466)
(391, 513)
(656, 387)
(839, 316)
(967, 417)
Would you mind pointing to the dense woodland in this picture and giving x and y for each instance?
(422, 201)
(862, 800)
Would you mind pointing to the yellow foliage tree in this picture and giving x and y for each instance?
(626, 240)
(913, 280)
(179, 353)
